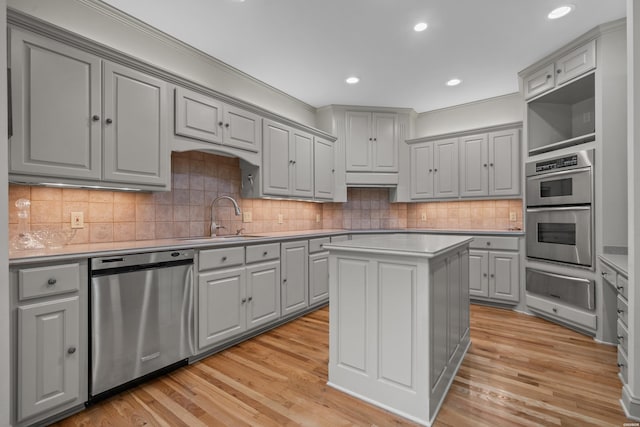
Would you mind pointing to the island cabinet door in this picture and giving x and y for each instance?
(295, 289)
(454, 310)
(439, 320)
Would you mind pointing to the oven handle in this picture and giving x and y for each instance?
(546, 175)
(563, 208)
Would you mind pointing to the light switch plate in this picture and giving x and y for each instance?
(280, 218)
(247, 217)
(423, 216)
(317, 217)
(77, 220)
(513, 216)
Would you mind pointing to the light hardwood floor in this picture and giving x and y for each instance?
(520, 371)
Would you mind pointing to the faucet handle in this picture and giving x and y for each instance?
(239, 231)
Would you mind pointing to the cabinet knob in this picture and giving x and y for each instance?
(488, 243)
(226, 125)
(224, 258)
(620, 365)
(51, 282)
(284, 280)
(95, 118)
(71, 350)
(109, 121)
(243, 301)
(620, 311)
(492, 275)
(249, 299)
(620, 338)
(294, 162)
(604, 273)
(220, 123)
(375, 139)
(370, 139)
(620, 288)
(485, 165)
(264, 253)
(491, 164)
(333, 170)
(555, 310)
(435, 170)
(484, 274)
(559, 71)
(430, 170)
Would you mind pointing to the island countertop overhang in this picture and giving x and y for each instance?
(428, 246)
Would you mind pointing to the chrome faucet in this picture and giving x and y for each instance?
(214, 226)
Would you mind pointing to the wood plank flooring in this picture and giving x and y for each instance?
(520, 371)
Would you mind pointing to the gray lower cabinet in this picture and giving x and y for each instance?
(240, 297)
(49, 331)
(295, 289)
(318, 271)
(494, 275)
(111, 130)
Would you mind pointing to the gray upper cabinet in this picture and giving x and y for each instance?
(135, 140)
(287, 161)
(421, 171)
(371, 142)
(490, 164)
(56, 107)
(110, 131)
(323, 168)
(208, 119)
(434, 169)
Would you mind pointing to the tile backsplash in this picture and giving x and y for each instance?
(197, 178)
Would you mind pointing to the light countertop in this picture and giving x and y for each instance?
(427, 246)
(617, 262)
(79, 251)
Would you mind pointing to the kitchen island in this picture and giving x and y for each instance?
(399, 320)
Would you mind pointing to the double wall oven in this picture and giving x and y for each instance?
(560, 227)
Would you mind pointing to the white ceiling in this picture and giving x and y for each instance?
(307, 48)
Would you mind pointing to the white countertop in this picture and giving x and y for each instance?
(409, 244)
(618, 262)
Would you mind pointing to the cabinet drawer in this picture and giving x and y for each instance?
(622, 284)
(501, 243)
(317, 245)
(218, 258)
(266, 252)
(539, 82)
(576, 62)
(562, 312)
(623, 337)
(622, 310)
(49, 280)
(608, 274)
(623, 366)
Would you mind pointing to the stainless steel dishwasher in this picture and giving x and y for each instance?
(141, 318)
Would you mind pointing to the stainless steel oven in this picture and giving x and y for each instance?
(559, 216)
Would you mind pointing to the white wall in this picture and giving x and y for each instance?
(488, 112)
(98, 21)
(4, 212)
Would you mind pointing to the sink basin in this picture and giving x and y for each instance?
(229, 238)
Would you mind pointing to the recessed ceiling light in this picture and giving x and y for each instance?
(420, 26)
(561, 11)
(454, 82)
(352, 80)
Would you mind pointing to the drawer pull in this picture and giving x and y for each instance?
(284, 280)
(71, 350)
(488, 243)
(243, 300)
(620, 311)
(555, 310)
(249, 299)
(224, 258)
(620, 365)
(620, 338)
(604, 273)
(265, 253)
(51, 282)
(620, 288)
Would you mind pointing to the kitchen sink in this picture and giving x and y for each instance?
(229, 238)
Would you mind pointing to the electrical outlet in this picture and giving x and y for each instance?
(246, 216)
(423, 216)
(280, 218)
(77, 220)
(317, 217)
(513, 216)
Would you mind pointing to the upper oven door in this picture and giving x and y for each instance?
(570, 187)
(560, 234)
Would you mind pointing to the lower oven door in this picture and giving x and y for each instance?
(561, 234)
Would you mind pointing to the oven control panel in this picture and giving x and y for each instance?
(559, 163)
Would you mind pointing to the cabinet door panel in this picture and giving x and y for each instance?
(275, 159)
(294, 277)
(135, 143)
(385, 144)
(198, 116)
(48, 355)
(359, 141)
(323, 169)
(479, 273)
(576, 62)
(539, 82)
(439, 328)
(422, 171)
(446, 168)
(263, 293)
(242, 129)
(504, 276)
(55, 93)
(464, 292)
(221, 312)
(504, 162)
(302, 167)
(318, 278)
(454, 312)
(474, 166)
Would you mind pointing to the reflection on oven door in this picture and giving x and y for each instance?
(560, 234)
